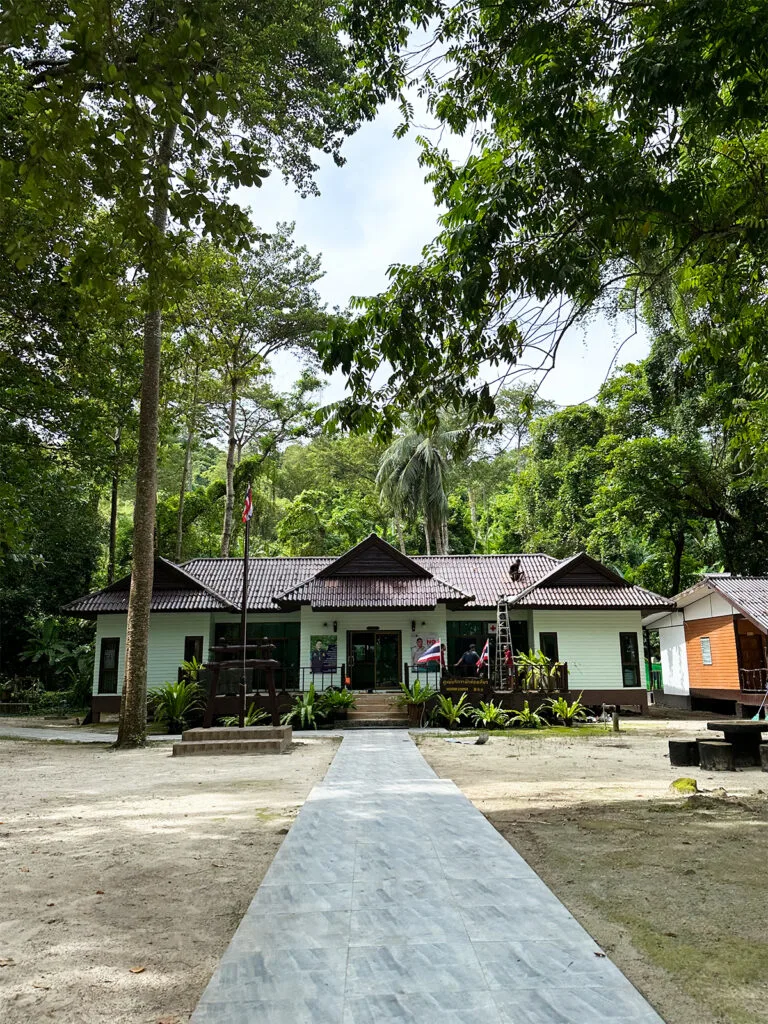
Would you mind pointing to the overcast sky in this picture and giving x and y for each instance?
(376, 211)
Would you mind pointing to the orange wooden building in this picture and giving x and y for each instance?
(713, 646)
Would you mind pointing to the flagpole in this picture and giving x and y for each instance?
(244, 610)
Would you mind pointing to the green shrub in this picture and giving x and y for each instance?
(526, 719)
(332, 701)
(565, 712)
(489, 715)
(175, 703)
(452, 713)
(253, 716)
(306, 712)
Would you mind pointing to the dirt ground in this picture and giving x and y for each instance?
(114, 863)
(675, 890)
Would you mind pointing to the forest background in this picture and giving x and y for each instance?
(661, 476)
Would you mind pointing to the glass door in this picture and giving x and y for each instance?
(373, 660)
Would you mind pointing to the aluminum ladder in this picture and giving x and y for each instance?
(503, 640)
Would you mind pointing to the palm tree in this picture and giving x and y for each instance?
(412, 477)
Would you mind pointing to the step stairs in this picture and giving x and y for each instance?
(376, 710)
(252, 739)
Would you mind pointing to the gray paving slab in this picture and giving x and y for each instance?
(394, 899)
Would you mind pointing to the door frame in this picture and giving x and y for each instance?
(372, 634)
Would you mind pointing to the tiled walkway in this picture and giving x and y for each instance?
(393, 899)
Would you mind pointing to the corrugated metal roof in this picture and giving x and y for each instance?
(748, 594)
(348, 592)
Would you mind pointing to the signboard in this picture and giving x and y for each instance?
(324, 652)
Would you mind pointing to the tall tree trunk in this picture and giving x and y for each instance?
(399, 531)
(444, 531)
(186, 472)
(677, 561)
(113, 507)
(473, 515)
(426, 537)
(133, 706)
(229, 507)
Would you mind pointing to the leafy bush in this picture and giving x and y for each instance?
(489, 715)
(452, 713)
(333, 701)
(306, 712)
(538, 671)
(526, 719)
(565, 712)
(174, 703)
(253, 716)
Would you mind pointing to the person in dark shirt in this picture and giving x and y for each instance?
(467, 663)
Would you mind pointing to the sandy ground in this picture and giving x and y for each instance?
(675, 891)
(119, 861)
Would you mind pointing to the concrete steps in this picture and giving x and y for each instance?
(376, 710)
(253, 739)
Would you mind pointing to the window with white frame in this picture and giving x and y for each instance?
(706, 650)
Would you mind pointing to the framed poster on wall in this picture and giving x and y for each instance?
(324, 652)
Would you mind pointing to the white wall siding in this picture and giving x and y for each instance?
(706, 607)
(589, 642)
(166, 643)
(674, 659)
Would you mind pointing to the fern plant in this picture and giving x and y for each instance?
(174, 703)
(253, 716)
(306, 710)
(567, 713)
(452, 712)
(526, 719)
(489, 715)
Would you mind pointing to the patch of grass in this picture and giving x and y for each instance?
(580, 732)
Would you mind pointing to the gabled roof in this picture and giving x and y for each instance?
(173, 589)
(352, 582)
(583, 582)
(747, 594)
(374, 557)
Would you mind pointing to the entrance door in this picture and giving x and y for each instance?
(373, 660)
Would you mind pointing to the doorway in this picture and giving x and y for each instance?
(373, 660)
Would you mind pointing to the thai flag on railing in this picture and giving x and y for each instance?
(431, 654)
(483, 657)
(248, 507)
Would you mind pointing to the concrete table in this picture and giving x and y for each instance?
(745, 738)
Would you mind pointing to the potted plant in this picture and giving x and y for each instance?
(415, 700)
(537, 670)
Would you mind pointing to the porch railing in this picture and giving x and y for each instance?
(287, 677)
(753, 680)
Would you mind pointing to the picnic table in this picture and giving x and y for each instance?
(745, 738)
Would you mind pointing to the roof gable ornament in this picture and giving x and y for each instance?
(374, 557)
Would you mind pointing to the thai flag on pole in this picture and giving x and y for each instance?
(483, 657)
(248, 507)
(431, 654)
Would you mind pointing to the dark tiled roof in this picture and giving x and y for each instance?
(179, 600)
(267, 577)
(748, 594)
(582, 582)
(487, 577)
(348, 592)
(174, 590)
(469, 581)
(607, 597)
